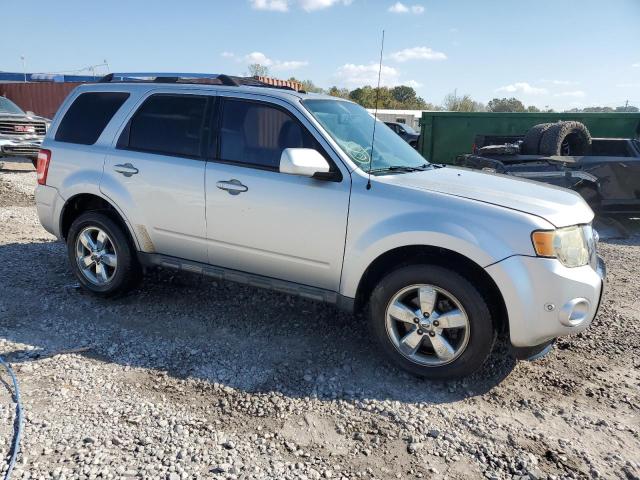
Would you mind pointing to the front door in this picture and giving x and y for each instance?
(265, 222)
(156, 174)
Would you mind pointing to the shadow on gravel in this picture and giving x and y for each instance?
(625, 228)
(188, 326)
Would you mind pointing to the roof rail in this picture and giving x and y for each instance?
(206, 78)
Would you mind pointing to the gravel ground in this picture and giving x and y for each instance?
(189, 378)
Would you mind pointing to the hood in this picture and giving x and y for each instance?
(23, 116)
(559, 206)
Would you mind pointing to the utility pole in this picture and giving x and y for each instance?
(24, 67)
(626, 105)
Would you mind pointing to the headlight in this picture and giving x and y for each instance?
(572, 246)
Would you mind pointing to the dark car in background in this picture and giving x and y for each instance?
(21, 133)
(407, 133)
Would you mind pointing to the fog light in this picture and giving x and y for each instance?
(574, 312)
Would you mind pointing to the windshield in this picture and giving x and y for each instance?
(351, 126)
(7, 106)
(408, 129)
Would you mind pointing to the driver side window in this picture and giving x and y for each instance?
(255, 133)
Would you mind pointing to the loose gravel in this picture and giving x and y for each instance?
(189, 378)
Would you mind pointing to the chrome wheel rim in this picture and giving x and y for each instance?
(96, 255)
(427, 325)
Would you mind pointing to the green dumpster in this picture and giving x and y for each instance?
(444, 135)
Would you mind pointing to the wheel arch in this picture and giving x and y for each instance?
(85, 202)
(412, 254)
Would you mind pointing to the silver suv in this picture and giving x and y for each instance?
(284, 190)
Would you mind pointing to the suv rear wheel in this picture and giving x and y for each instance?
(431, 321)
(101, 256)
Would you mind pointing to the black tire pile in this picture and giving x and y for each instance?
(561, 138)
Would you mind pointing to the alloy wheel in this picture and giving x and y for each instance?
(96, 255)
(427, 325)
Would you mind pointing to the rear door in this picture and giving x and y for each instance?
(262, 221)
(156, 173)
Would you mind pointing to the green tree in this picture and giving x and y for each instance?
(338, 92)
(465, 103)
(505, 105)
(597, 110)
(400, 98)
(367, 97)
(533, 109)
(258, 70)
(307, 85)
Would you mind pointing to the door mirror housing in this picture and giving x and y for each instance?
(305, 162)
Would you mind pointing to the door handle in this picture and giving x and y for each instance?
(233, 186)
(126, 169)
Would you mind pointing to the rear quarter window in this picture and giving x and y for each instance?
(168, 124)
(88, 115)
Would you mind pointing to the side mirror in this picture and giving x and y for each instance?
(305, 162)
(30, 113)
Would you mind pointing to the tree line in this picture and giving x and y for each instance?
(404, 97)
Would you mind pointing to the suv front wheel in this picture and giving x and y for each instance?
(431, 322)
(101, 256)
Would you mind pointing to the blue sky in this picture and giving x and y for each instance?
(559, 53)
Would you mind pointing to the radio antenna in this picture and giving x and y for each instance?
(375, 114)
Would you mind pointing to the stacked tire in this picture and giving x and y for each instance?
(557, 139)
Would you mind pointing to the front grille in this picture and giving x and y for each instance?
(22, 127)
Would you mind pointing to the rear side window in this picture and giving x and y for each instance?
(87, 116)
(256, 134)
(168, 125)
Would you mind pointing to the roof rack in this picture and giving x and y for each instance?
(197, 78)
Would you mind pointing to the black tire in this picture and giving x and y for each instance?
(482, 332)
(531, 143)
(128, 271)
(35, 163)
(566, 138)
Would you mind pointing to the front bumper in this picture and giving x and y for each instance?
(545, 299)
(20, 148)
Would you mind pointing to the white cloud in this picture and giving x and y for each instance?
(228, 54)
(258, 57)
(636, 65)
(573, 93)
(311, 5)
(284, 5)
(417, 53)
(276, 65)
(361, 75)
(628, 85)
(561, 82)
(400, 7)
(273, 5)
(412, 83)
(522, 87)
(290, 65)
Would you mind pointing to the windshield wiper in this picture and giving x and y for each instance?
(401, 168)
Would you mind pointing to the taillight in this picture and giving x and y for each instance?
(42, 168)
